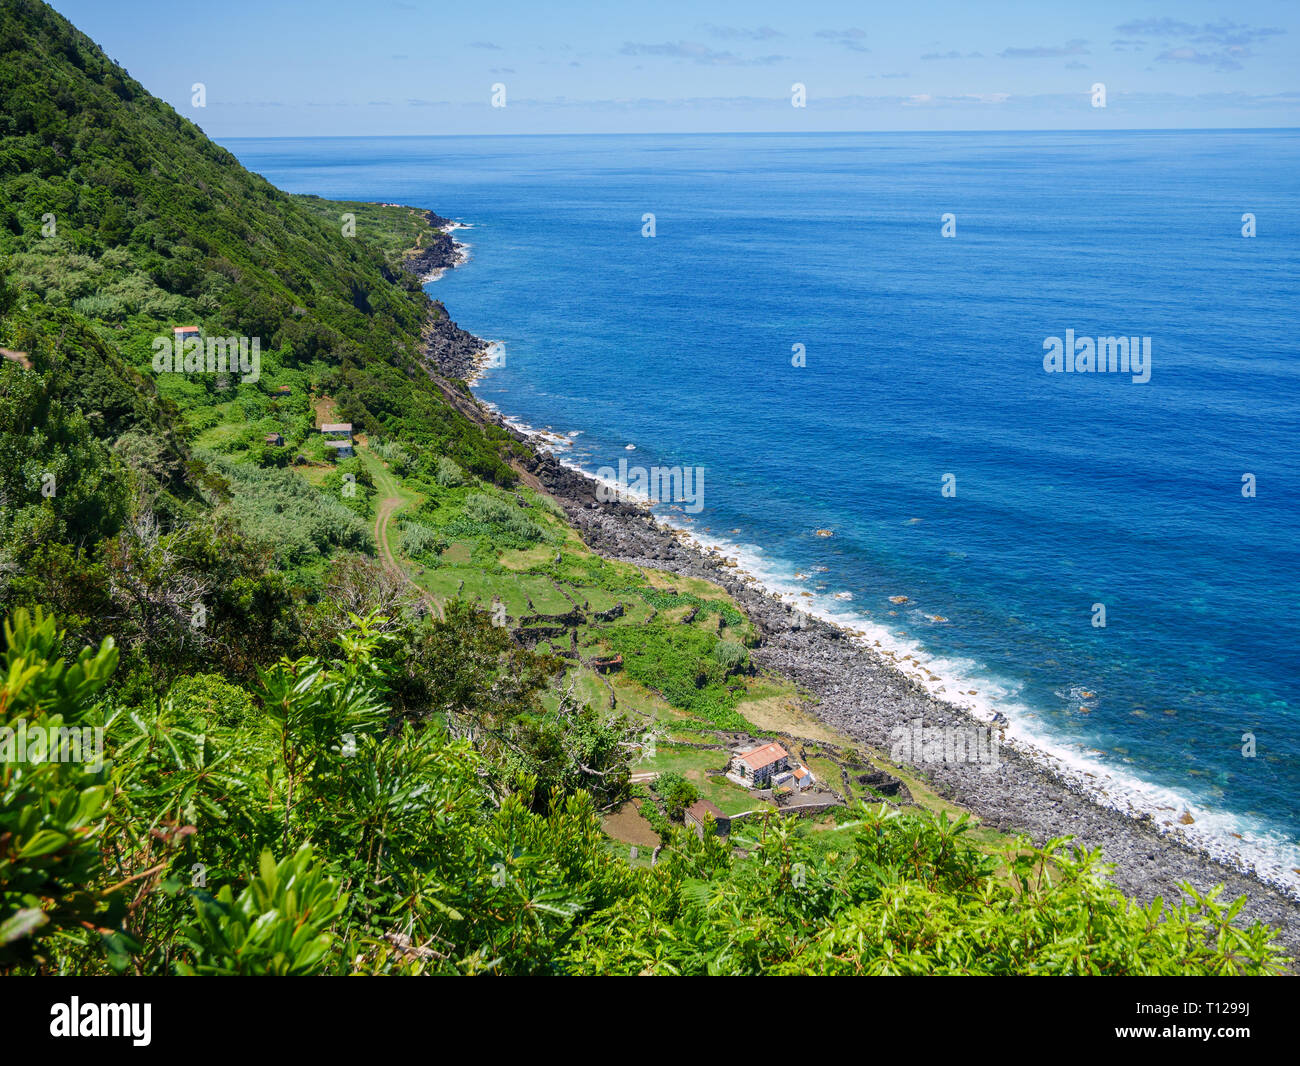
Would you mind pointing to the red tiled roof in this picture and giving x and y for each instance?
(764, 756)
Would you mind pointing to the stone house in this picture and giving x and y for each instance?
(756, 766)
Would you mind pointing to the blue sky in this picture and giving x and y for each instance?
(341, 67)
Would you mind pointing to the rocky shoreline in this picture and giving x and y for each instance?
(455, 353)
(864, 696)
(441, 251)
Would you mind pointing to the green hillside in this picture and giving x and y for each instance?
(119, 221)
(116, 209)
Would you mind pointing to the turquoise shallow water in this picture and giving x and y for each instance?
(925, 358)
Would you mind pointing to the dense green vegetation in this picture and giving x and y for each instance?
(682, 664)
(283, 509)
(290, 830)
(119, 221)
(293, 758)
(676, 792)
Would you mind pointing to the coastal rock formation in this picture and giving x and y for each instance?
(437, 251)
(449, 351)
(453, 352)
(571, 487)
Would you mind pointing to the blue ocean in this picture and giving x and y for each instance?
(800, 327)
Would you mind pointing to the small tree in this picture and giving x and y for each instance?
(676, 792)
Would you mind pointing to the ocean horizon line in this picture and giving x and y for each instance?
(747, 133)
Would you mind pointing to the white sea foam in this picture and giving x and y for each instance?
(961, 681)
(494, 355)
(460, 249)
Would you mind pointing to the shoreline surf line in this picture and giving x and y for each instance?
(1260, 851)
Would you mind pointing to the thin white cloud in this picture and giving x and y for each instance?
(742, 33)
(696, 53)
(1076, 47)
(1223, 45)
(1224, 33)
(851, 38)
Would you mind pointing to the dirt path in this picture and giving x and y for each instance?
(390, 503)
(326, 410)
(387, 506)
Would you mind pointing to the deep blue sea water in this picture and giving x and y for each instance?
(925, 358)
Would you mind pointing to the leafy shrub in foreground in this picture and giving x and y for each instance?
(52, 809)
(408, 851)
(279, 926)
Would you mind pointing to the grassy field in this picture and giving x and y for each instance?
(393, 229)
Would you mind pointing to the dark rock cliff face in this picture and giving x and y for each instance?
(451, 351)
(572, 488)
(438, 251)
